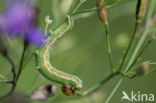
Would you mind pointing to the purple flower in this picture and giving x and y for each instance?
(18, 17)
(18, 21)
(35, 36)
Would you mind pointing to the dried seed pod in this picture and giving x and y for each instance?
(44, 92)
(102, 12)
(141, 9)
(67, 90)
(142, 69)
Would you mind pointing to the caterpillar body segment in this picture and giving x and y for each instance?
(47, 70)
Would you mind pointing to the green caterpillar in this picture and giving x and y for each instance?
(70, 82)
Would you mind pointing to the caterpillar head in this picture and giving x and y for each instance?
(79, 86)
(78, 83)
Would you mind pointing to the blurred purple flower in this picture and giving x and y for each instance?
(18, 21)
(35, 36)
(18, 18)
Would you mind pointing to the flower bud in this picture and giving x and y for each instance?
(142, 69)
(102, 12)
(48, 20)
(141, 9)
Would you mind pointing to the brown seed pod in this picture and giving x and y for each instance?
(141, 9)
(67, 90)
(102, 12)
(142, 69)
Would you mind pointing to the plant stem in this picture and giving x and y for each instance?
(78, 6)
(13, 66)
(114, 90)
(21, 61)
(150, 10)
(113, 4)
(109, 48)
(151, 71)
(141, 52)
(145, 33)
(94, 9)
(152, 63)
(3, 77)
(98, 86)
(129, 46)
(72, 14)
(6, 81)
(13, 82)
(11, 91)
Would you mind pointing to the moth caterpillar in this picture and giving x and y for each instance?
(70, 82)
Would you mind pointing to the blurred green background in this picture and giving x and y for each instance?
(82, 51)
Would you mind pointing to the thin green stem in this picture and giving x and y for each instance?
(152, 63)
(114, 90)
(113, 4)
(94, 9)
(140, 53)
(145, 33)
(149, 15)
(109, 48)
(6, 81)
(129, 46)
(99, 85)
(78, 6)
(11, 91)
(21, 61)
(72, 14)
(13, 82)
(151, 71)
(3, 77)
